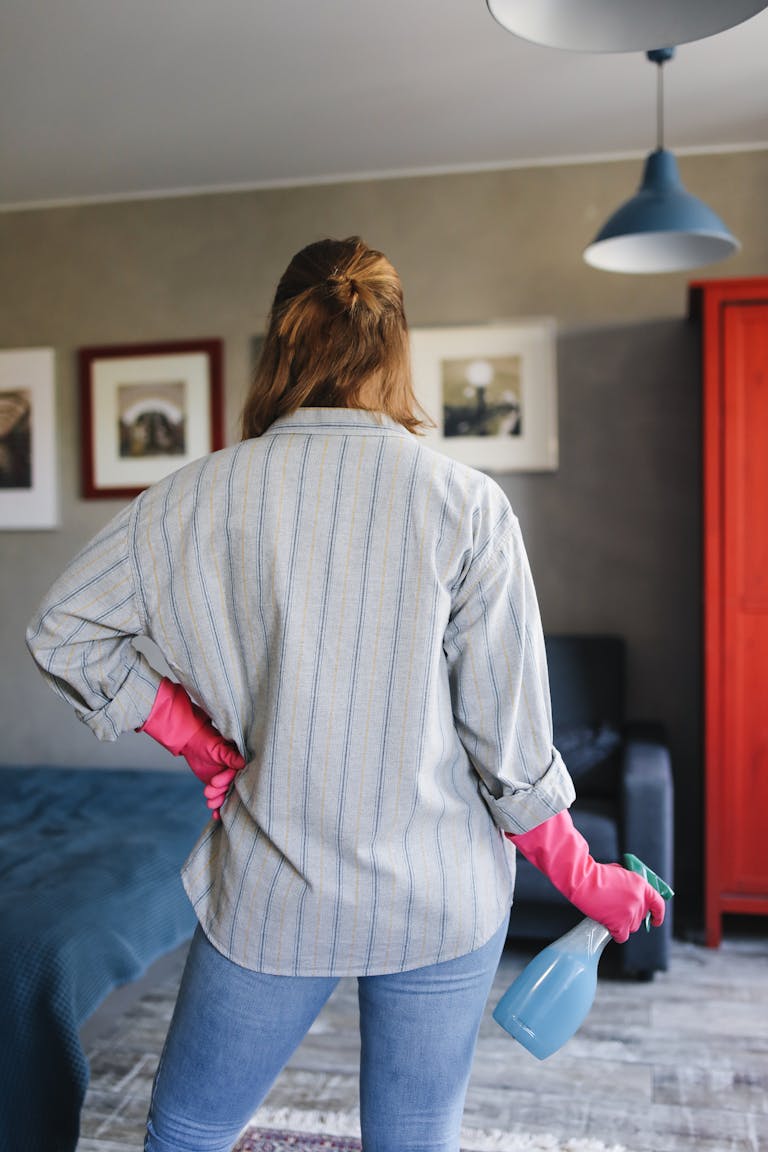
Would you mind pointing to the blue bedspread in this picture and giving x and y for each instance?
(90, 895)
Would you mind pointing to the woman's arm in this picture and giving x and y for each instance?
(82, 640)
(494, 647)
(82, 635)
(500, 690)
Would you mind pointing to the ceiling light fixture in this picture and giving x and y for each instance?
(619, 25)
(662, 228)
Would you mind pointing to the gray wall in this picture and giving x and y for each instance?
(613, 535)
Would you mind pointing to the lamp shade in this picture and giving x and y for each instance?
(662, 228)
(620, 25)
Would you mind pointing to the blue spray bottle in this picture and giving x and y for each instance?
(551, 997)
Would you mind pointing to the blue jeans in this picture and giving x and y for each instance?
(233, 1030)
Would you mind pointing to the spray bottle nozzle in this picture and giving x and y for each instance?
(633, 864)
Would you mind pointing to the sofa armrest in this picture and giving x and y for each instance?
(647, 811)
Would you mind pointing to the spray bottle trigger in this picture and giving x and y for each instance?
(634, 864)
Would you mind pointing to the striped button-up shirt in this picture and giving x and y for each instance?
(356, 613)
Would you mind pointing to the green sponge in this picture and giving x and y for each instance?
(635, 865)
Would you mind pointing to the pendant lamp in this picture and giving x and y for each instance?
(662, 228)
(620, 25)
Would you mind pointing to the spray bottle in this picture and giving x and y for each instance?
(551, 997)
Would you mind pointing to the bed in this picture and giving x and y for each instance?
(91, 896)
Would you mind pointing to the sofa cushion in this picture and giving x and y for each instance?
(591, 755)
(596, 820)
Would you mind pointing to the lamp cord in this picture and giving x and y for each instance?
(659, 57)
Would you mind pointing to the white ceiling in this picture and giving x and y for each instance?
(112, 98)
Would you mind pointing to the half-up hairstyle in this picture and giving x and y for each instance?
(337, 329)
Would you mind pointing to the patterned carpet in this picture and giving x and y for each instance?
(263, 1136)
(267, 1140)
(270, 1141)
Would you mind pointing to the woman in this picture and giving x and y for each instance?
(355, 614)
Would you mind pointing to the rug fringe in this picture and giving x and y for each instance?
(487, 1140)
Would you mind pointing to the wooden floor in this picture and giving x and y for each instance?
(679, 1064)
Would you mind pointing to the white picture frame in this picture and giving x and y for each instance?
(29, 487)
(491, 391)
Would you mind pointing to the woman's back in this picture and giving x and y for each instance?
(308, 577)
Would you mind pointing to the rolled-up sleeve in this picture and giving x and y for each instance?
(82, 636)
(497, 670)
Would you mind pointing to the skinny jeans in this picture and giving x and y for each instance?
(233, 1030)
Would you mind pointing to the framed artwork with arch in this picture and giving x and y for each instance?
(146, 410)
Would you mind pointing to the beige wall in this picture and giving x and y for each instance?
(470, 248)
(613, 535)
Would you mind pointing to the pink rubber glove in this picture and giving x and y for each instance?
(185, 730)
(608, 893)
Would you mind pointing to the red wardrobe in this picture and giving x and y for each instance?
(734, 327)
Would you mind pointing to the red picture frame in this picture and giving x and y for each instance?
(146, 410)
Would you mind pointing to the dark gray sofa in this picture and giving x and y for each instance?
(624, 793)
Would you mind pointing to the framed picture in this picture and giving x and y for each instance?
(492, 393)
(28, 478)
(147, 409)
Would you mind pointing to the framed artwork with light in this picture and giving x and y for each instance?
(491, 392)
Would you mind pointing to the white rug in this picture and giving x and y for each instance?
(491, 1140)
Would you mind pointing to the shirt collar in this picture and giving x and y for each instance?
(336, 420)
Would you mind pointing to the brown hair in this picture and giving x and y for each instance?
(337, 335)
